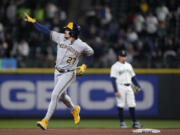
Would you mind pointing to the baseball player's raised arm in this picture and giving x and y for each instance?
(39, 27)
(54, 36)
(42, 28)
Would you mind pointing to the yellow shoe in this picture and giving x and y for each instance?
(42, 124)
(75, 114)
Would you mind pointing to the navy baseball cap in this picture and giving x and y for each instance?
(123, 53)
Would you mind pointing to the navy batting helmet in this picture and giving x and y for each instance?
(123, 53)
(73, 28)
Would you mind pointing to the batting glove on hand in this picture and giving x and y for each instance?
(27, 18)
(80, 70)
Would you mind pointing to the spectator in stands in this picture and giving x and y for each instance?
(11, 12)
(2, 38)
(60, 18)
(106, 16)
(51, 10)
(151, 24)
(162, 12)
(3, 4)
(132, 36)
(144, 6)
(99, 51)
(21, 48)
(172, 5)
(162, 30)
(10, 42)
(39, 12)
(102, 24)
(161, 38)
(139, 23)
(3, 49)
(21, 51)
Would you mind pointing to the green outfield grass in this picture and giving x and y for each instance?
(92, 123)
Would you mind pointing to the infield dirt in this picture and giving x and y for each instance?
(79, 131)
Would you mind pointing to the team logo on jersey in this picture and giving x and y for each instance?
(124, 71)
(69, 48)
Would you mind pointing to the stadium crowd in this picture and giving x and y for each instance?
(148, 29)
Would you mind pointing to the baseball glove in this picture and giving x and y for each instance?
(135, 88)
(80, 70)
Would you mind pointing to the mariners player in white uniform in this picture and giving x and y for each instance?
(69, 48)
(122, 75)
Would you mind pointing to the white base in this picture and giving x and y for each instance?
(146, 130)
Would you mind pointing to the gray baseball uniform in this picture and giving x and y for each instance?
(67, 59)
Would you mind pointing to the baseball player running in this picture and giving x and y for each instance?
(123, 77)
(69, 48)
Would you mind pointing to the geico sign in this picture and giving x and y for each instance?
(29, 95)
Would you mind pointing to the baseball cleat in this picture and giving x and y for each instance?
(75, 114)
(42, 124)
(137, 125)
(123, 125)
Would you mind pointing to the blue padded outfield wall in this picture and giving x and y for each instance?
(29, 94)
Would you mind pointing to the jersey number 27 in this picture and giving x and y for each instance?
(71, 60)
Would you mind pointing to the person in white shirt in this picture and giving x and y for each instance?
(131, 35)
(139, 23)
(23, 48)
(151, 24)
(162, 12)
(123, 75)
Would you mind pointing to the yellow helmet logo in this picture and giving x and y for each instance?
(70, 25)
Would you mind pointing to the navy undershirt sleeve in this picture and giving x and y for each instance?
(87, 59)
(114, 84)
(42, 28)
(135, 82)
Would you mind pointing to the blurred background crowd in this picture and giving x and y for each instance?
(148, 29)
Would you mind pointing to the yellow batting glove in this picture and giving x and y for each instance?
(81, 69)
(27, 18)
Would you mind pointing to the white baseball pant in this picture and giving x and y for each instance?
(126, 96)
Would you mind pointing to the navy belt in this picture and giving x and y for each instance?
(64, 70)
(127, 84)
